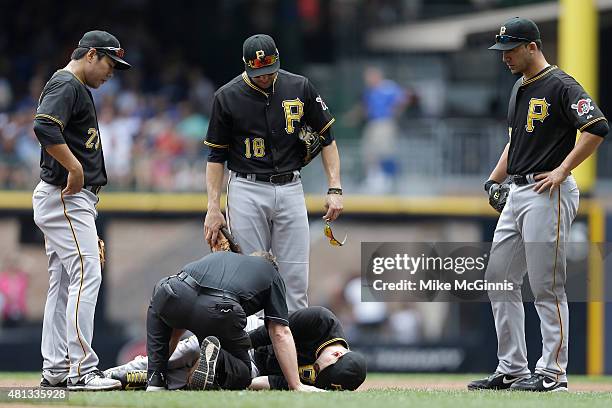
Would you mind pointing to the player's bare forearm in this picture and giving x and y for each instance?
(284, 349)
(331, 164)
(214, 220)
(500, 172)
(214, 181)
(586, 146)
(64, 156)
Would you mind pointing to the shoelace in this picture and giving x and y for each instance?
(537, 377)
(98, 373)
(137, 377)
(90, 376)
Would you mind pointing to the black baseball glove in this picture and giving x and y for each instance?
(498, 195)
(311, 142)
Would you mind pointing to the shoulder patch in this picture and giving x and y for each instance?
(320, 100)
(583, 106)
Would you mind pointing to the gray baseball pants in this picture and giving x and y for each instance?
(266, 217)
(71, 242)
(530, 239)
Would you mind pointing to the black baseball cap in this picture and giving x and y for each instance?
(105, 43)
(515, 32)
(348, 373)
(260, 55)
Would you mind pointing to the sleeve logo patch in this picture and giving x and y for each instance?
(583, 106)
(320, 100)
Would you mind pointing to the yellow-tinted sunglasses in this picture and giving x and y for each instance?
(329, 234)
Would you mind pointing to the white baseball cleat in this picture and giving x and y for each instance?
(94, 381)
(121, 372)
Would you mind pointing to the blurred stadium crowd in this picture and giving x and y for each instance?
(152, 141)
(153, 119)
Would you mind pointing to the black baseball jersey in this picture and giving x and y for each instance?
(256, 130)
(543, 118)
(313, 329)
(66, 103)
(255, 280)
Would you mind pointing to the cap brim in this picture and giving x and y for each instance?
(270, 69)
(505, 47)
(120, 63)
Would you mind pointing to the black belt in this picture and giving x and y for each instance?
(93, 189)
(278, 179)
(205, 290)
(523, 179)
(519, 179)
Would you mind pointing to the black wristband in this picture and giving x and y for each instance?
(488, 184)
(334, 191)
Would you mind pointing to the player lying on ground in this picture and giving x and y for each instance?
(324, 358)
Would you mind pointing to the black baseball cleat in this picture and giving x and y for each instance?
(157, 382)
(203, 378)
(44, 383)
(496, 381)
(539, 383)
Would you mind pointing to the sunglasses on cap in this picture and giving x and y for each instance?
(261, 62)
(329, 234)
(118, 52)
(504, 39)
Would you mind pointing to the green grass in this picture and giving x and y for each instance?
(382, 398)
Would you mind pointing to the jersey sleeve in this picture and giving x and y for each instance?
(580, 110)
(317, 113)
(331, 323)
(276, 307)
(305, 323)
(219, 132)
(55, 108)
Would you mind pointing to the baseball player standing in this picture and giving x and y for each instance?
(72, 173)
(256, 118)
(546, 107)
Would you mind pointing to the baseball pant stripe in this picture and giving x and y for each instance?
(227, 201)
(76, 317)
(555, 279)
